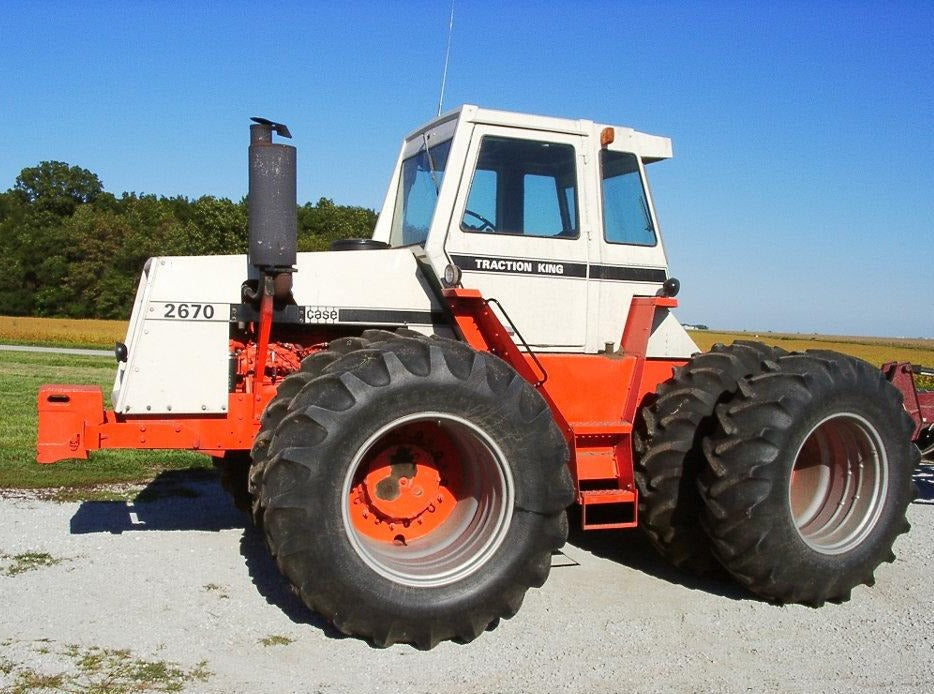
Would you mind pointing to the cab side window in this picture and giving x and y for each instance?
(523, 187)
(626, 217)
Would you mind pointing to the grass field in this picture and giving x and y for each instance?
(21, 375)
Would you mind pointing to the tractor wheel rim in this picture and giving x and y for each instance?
(476, 494)
(838, 483)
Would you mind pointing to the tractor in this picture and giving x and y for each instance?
(408, 418)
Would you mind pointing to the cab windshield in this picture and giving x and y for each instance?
(417, 195)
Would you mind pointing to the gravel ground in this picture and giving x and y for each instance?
(180, 582)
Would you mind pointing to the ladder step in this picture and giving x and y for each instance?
(608, 496)
(601, 504)
(601, 428)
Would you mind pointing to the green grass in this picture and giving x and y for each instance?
(21, 375)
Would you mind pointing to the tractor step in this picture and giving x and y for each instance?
(618, 428)
(608, 509)
(597, 448)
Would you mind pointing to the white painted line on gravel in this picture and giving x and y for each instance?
(59, 350)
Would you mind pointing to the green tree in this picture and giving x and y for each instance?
(221, 226)
(15, 298)
(324, 222)
(56, 187)
(69, 248)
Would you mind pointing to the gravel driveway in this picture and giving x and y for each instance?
(180, 590)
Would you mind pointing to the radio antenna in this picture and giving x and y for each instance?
(447, 55)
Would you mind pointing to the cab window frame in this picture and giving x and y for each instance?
(646, 200)
(568, 207)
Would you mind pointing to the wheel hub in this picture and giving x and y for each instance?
(402, 481)
(410, 488)
(458, 521)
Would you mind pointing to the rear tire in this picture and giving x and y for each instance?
(415, 491)
(669, 455)
(234, 470)
(809, 477)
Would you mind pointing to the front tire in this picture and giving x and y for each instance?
(809, 478)
(415, 491)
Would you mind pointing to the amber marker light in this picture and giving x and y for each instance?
(607, 135)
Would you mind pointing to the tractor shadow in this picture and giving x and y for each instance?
(632, 549)
(924, 483)
(193, 500)
(273, 586)
(187, 499)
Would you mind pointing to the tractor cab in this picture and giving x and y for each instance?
(551, 215)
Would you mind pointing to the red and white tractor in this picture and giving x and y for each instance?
(408, 417)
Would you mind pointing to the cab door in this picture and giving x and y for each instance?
(627, 257)
(518, 231)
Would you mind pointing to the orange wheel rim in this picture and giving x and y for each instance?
(408, 486)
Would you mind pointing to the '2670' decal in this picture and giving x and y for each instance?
(186, 311)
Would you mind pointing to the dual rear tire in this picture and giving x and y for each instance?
(809, 477)
(669, 456)
(791, 471)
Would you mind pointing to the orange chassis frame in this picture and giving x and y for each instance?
(594, 398)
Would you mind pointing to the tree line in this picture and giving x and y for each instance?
(70, 249)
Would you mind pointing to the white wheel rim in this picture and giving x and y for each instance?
(838, 483)
(469, 537)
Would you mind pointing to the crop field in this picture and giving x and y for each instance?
(69, 332)
(875, 350)
(61, 332)
(21, 375)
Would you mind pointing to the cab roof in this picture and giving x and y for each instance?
(648, 147)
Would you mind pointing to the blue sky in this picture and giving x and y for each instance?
(800, 198)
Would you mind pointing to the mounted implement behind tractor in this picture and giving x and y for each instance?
(407, 417)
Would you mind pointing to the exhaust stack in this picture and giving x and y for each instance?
(273, 219)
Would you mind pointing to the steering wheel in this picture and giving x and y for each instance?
(485, 224)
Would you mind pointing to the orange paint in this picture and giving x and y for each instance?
(594, 399)
(408, 485)
(73, 423)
